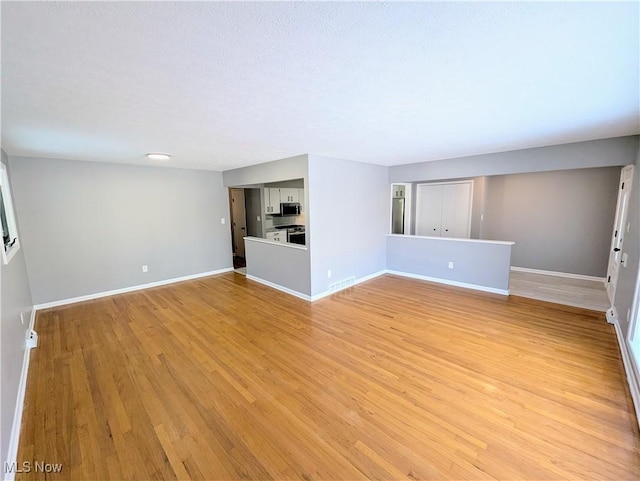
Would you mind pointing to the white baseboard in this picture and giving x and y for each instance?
(558, 274)
(632, 380)
(279, 287)
(317, 296)
(14, 440)
(124, 290)
(504, 292)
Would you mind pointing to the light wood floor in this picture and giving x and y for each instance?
(224, 378)
(589, 294)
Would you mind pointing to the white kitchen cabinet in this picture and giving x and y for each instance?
(290, 195)
(444, 210)
(277, 236)
(301, 199)
(271, 200)
(398, 191)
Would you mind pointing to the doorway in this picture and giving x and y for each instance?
(616, 257)
(238, 227)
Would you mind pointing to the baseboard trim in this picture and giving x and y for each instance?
(279, 287)
(477, 287)
(493, 290)
(558, 274)
(124, 290)
(357, 281)
(317, 296)
(632, 380)
(16, 426)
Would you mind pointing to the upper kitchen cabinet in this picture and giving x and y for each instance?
(272, 200)
(398, 191)
(290, 195)
(277, 194)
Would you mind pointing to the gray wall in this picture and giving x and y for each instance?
(282, 265)
(290, 168)
(594, 153)
(88, 227)
(288, 184)
(628, 275)
(349, 218)
(560, 221)
(253, 209)
(16, 299)
(479, 263)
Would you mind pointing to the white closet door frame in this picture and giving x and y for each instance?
(407, 207)
(470, 181)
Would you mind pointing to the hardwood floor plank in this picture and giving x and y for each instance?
(585, 293)
(224, 378)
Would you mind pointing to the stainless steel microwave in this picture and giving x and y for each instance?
(290, 208)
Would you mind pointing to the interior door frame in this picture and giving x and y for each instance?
(407, 207)
(617, 241)
(237, 242)
(468, 181)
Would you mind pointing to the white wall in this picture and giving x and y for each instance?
(348, 217)
(88, 227)
(15, 299)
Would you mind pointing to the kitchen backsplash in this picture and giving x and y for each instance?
(271, 221)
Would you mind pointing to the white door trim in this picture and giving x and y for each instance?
(407, 206)
(618, 233)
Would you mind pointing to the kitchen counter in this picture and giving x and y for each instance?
(283, 244)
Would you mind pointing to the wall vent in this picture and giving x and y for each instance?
(343, 284)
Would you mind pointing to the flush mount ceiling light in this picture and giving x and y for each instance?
(157, 156)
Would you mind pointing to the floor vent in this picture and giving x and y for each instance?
(343, 284)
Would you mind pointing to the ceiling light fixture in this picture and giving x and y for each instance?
(156, 156)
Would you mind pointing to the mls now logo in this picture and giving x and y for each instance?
(36, 467)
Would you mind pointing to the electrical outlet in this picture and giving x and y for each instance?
(328, 274)
(450, 264)
(258, 218)
(222, 220)
(145, 268)
(22, 318)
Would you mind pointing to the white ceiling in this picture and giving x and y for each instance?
(224, 85)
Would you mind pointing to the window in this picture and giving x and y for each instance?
(11, 245)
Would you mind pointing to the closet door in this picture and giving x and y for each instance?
(456, 210)
(429, 210)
